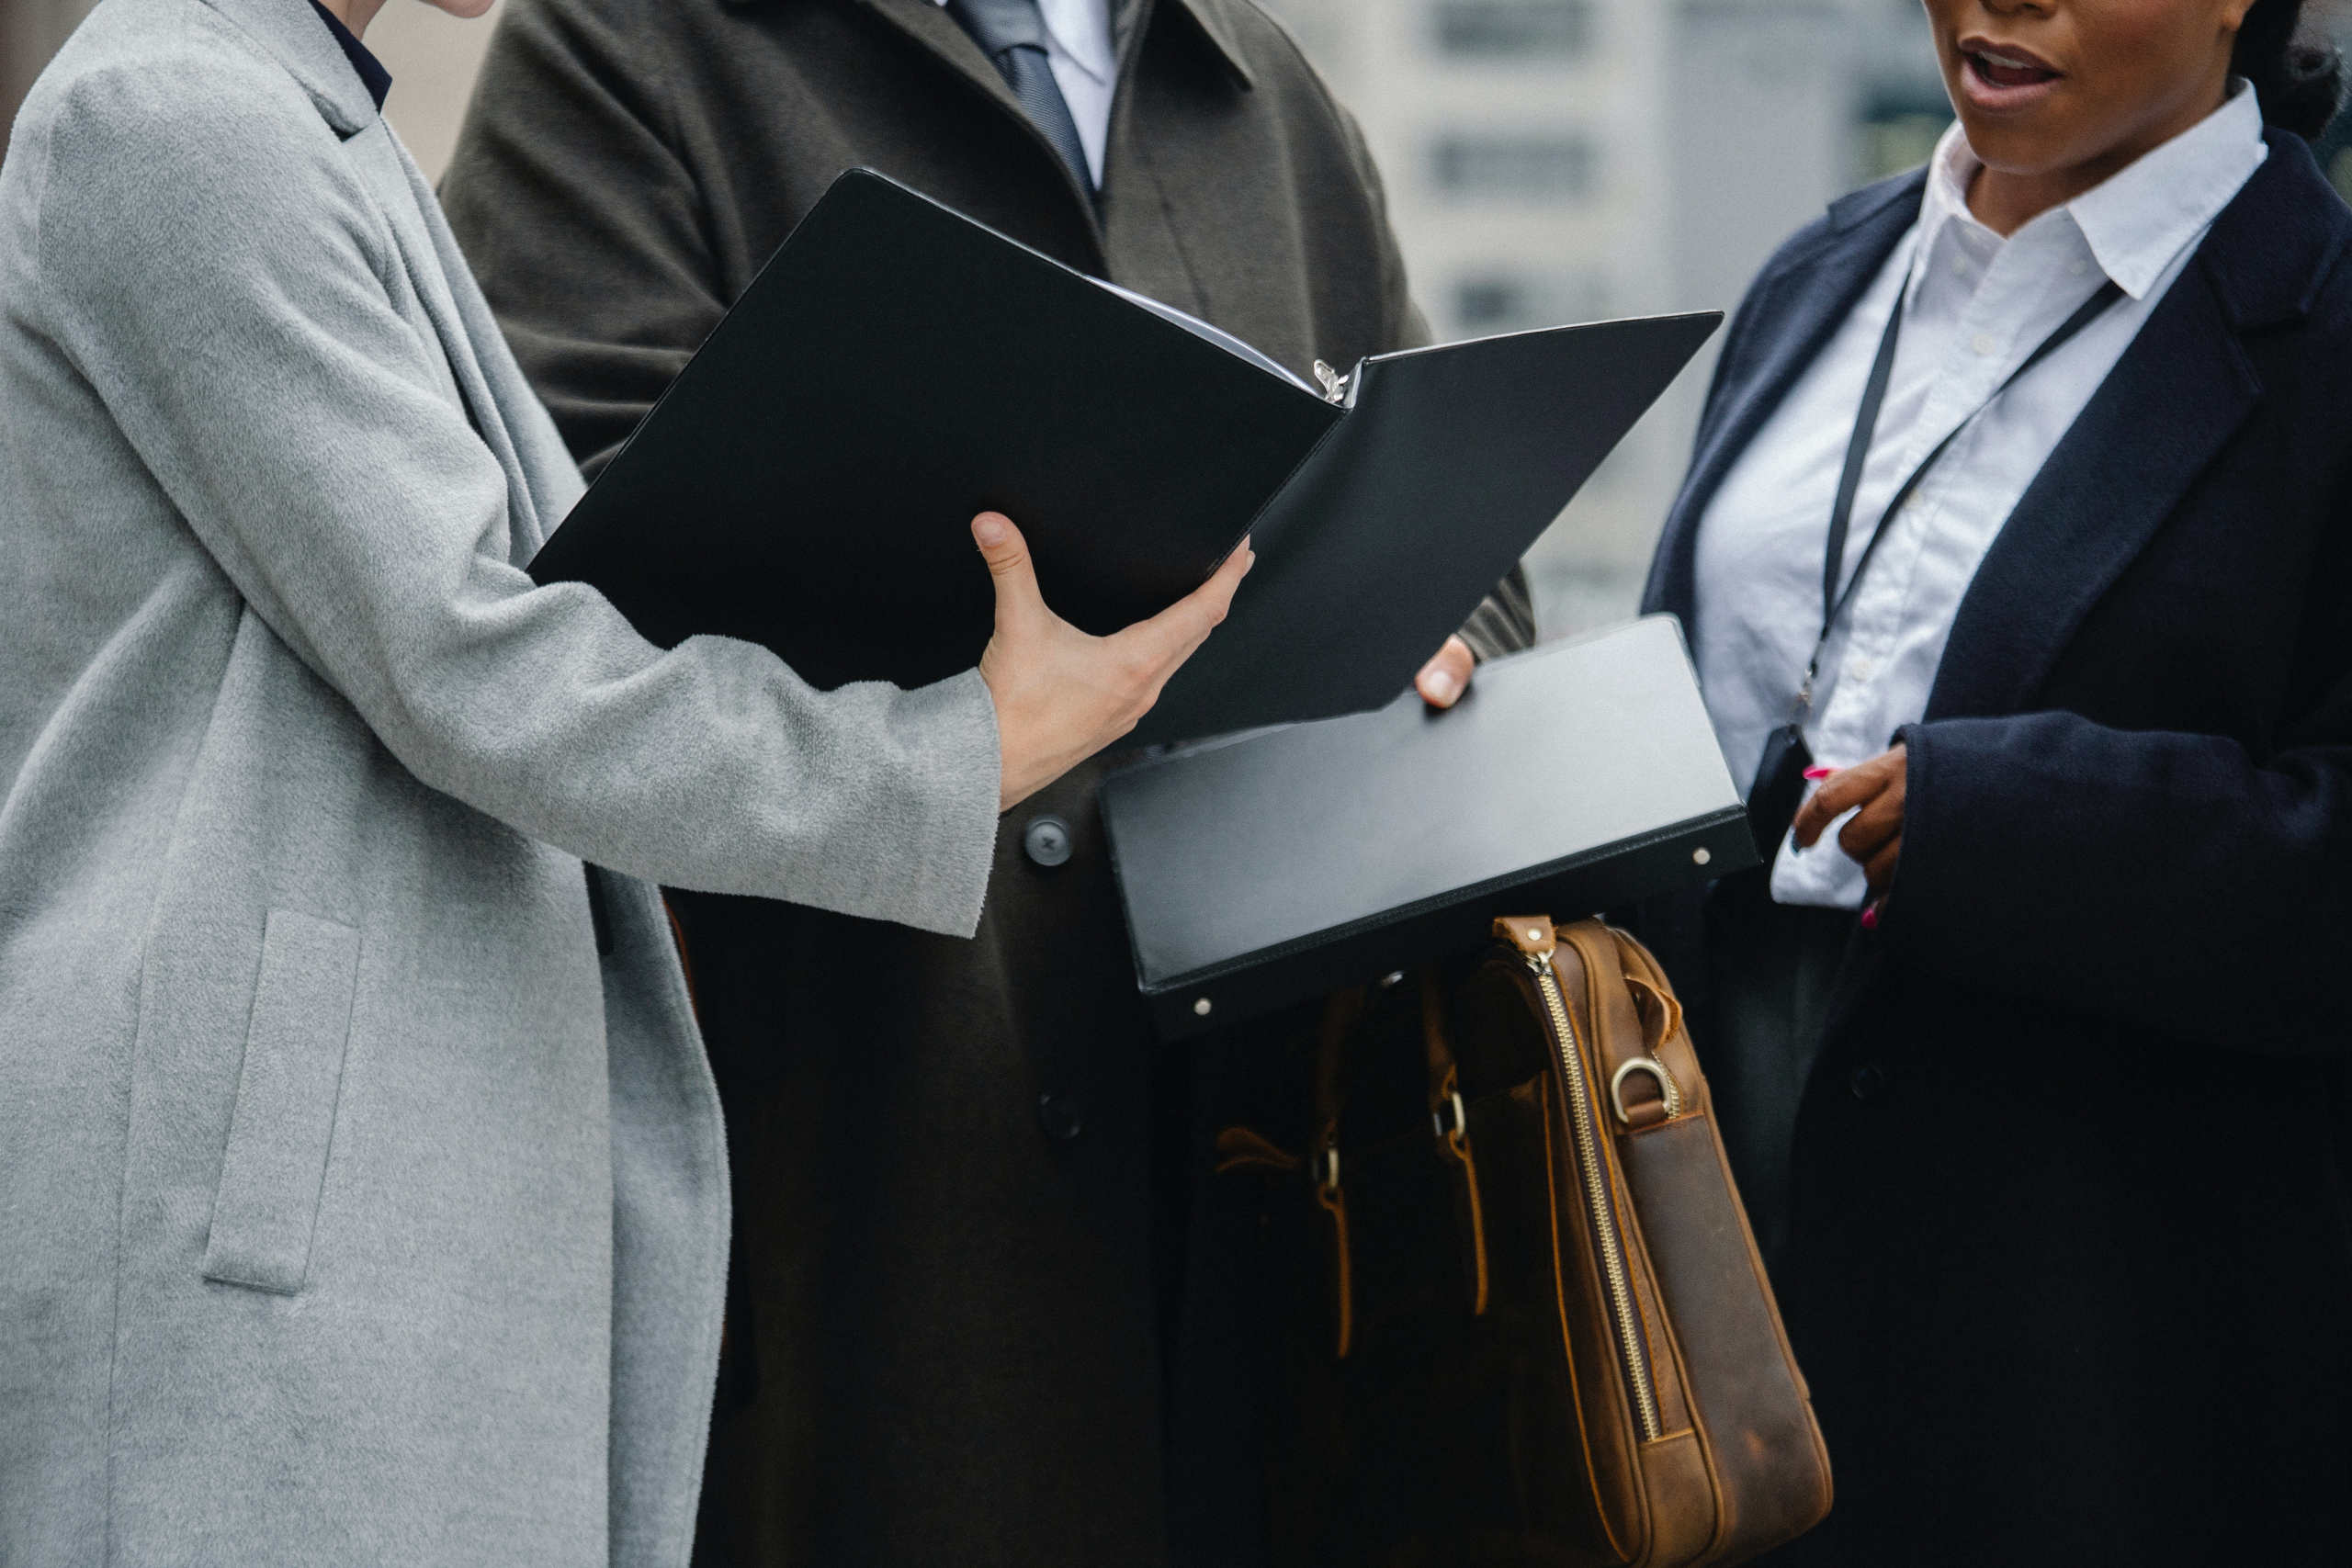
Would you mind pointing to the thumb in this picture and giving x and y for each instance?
(1007, 554)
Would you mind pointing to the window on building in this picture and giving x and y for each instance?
(1509, 302)
(1513, 27)
(1521, 167)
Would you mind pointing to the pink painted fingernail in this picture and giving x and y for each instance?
(1870, 919)
(1819, 773)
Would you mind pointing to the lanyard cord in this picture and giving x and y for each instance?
(1858, 447)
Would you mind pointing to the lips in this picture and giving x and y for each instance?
(2002, 75)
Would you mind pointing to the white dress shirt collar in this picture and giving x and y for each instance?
(2136, 221)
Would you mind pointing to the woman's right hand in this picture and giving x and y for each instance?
(1062, 696)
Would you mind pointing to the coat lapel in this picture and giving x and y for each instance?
(2177, 395)
(290, 33)
(928, 24)
(1795, 315)
(401, 195)
(2165, 412)
(1216, 24)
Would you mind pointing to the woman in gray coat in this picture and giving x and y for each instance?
(362, 1188)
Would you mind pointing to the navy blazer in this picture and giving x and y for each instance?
(2072, 1242)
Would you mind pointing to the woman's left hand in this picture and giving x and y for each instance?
(1874, 836)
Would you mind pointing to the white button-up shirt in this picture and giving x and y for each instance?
(1976, 305)
(1086, 67)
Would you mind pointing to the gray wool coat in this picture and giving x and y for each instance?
(353, 1208)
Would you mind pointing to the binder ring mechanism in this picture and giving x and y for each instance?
(1669, 1100)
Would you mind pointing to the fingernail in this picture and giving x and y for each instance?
(1870, 919)
(1442, 686)
(989, 532)
(1819, 773)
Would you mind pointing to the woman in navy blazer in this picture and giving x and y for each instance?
(2067, 1236)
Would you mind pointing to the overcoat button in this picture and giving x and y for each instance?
(1868, 1081)
(1048, 840)
(1058, 1113)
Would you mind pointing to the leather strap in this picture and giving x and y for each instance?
(1339, 1015)
(1451, 1119)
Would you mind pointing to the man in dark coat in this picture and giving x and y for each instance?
(960, 1167)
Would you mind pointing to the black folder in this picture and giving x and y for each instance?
(809, 481)
(1267, 868)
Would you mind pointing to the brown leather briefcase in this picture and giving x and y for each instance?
(1515, 1315)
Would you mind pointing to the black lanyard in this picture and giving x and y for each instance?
(1779, 773)
(1858, 448)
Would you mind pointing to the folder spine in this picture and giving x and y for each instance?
(1446, 925)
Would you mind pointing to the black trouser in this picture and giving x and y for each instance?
(1770, 969)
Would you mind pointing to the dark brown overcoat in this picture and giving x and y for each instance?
(959, 1166)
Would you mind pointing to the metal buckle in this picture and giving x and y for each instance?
(1669, 1091)
(1460, 1118)
(1324, 1168)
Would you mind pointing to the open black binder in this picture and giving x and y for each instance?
(808, 482)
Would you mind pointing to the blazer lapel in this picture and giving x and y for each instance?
(2177, 395)
(1796, 314)
(2168, 407)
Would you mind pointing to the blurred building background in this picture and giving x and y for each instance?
(1547, 162)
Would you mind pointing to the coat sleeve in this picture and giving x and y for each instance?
(584, 227)
(2172, 880)
(214, 267)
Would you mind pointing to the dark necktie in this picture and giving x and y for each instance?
(1011, 33)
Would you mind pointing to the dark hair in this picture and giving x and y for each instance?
(2298, 77)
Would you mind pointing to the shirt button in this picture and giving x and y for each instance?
(1046, 839)
(1868, 1082)
(1981, 343)
(2076, 268)
(1862, 668)
(1960, 266)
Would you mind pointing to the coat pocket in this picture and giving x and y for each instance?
(277, 1159)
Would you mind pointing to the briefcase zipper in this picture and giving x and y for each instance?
(1585, 1127)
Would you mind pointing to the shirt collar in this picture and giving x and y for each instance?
(372, 74)
(1083, 28)
(2138, 219)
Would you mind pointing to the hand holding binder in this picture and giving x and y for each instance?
(1061, 696)
(897, 369)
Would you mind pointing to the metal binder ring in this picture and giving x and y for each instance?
(1669, 1091)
